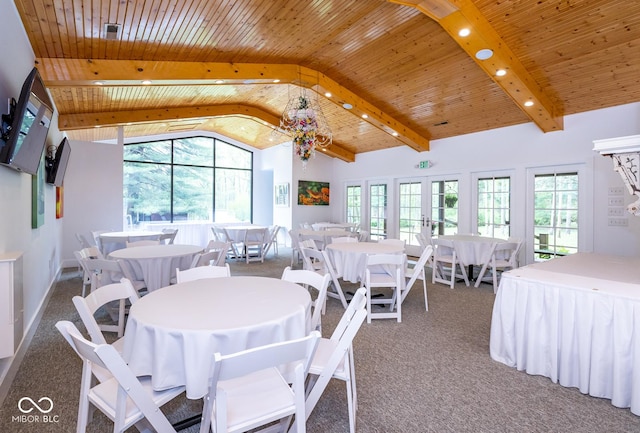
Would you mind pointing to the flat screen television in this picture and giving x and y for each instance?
(25, 127)
(57, 163)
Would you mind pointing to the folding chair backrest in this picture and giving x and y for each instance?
(88, 306)
(204, 259)
(420, 264)
(357, 303)
(272, 355)
(142, 243)
(222, 248)
(319, 282)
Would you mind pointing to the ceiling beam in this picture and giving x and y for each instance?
(68, 122)
(518, 84)
(87, 72)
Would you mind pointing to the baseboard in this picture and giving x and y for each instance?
(11, 369)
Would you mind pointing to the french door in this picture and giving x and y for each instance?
(413, 200)
(428, 206)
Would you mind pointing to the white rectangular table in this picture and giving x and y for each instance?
(576, 320)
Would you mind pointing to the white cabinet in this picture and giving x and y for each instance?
(11, 308)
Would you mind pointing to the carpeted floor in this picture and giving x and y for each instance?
(430, 373)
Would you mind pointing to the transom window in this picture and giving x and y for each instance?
(187, 179)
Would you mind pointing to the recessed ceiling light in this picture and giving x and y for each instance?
(364, 116)
(146, 82)
(347, 106)
(328, 94)
(528, 103)
(484, 54)
(464, 32)
(501, 72)
(276, 81)
(219, 81)
(98, 83)
(394, 133)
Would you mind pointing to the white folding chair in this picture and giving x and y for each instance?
(504, 256)
(107, 271)
(417, 272)
(445, 260)
(201, 272)
(385, 271)
(311, 279)
(168, 236)
(222, 248)
(339, 239)
(334, 358)
(124, 398)
(255, 241)
(88, 306)
(247, 389)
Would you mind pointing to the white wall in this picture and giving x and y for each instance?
(516, 149)
(40, 247)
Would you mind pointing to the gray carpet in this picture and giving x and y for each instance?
(430, 373)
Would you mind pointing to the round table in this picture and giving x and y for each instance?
(156, 264)
(350, 258)
(472, 250)
(173, 333)
(111, 241)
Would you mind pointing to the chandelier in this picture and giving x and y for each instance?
(303, 120)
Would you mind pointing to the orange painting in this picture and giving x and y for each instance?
(312, 193)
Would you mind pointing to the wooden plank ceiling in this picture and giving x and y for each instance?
(213, 65)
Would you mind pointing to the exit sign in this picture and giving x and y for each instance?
(424, 164)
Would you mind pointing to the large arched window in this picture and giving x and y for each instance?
(187, 179)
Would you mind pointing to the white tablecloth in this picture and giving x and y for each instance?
(156, 264)
(322, 237)
(111, 241)
(329, 226)
(472, 250)
(173, 333)
(350, 258)
(576, 320)
(189, 232)
(237, 232)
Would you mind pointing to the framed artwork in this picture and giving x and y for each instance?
(311, 193)
(37, 196)
(59, 202)
(281, 195)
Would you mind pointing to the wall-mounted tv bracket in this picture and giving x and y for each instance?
(7, 120)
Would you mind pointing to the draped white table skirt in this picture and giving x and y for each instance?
(156, 264)
(350, 259)
(575, 320)
(173, 333)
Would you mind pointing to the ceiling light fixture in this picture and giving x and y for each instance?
(528, 103)
(303, 120)
(347, 106)
(484, 54)
(464, 32)
(501, 72)
(146, 82)
(365, 116)
(328, 94)
(98, 83)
